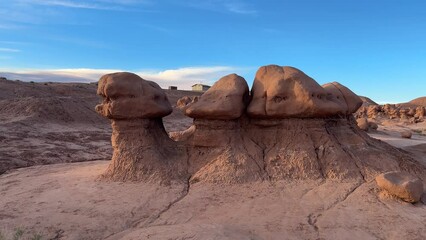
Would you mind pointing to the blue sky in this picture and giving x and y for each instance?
(375, 47)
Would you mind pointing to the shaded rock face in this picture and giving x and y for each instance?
(348, 100)
(402, 185)
(232, 140)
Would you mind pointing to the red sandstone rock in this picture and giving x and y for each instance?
(401, 184)
(226, 99)
(283, 92)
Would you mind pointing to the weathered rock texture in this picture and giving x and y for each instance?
(401, 184)
(283, 92)
(142, 149)
(292, 129)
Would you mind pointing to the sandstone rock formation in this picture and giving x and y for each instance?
(291, 129)
(225, 100)
(283, 92)
(349, 101)
(401, 184)
(142, 149)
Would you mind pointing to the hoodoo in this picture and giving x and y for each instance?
(289, 127)
(142, 149)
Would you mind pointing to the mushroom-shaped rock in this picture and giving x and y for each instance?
(283, 92)
(401, 184)
(225, 100)
(142, 149)
(128, 96)
(349, 101)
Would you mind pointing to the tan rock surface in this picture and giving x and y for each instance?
(225, 100)
(401, 184)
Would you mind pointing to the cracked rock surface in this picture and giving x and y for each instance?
(65, 199)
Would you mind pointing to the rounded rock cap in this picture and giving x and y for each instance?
(284, 92)
(225, 100)
(127, 96)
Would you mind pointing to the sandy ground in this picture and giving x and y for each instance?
(64, 201)
(390, 132)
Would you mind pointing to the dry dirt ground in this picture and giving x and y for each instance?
(66, 201)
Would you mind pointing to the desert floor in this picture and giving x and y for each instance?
(66, 201)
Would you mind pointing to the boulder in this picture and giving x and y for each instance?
(406, 134)
(128, 96)
(362, 123)
(284, 92)
(373, 125)
(182, 135)
(402, 185)
(225, 100)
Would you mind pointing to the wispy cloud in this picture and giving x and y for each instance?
(9, 50)
(14, 42)
(184, 78)
(232, 6)
(85, 4)
(69, 4)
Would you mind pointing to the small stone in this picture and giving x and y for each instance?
(402, 185)
(406, 134)
(362, 123)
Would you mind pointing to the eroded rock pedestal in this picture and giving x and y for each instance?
(142, 149)
(288, 127)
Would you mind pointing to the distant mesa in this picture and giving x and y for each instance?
(287, 127)
(421, 101)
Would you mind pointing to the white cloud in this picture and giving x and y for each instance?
(9, 50)
(183, 78)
